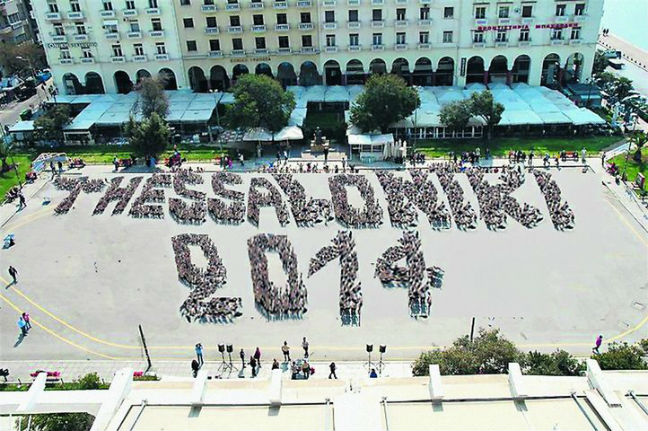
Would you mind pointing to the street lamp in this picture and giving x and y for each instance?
(634, 126)
(213, 92)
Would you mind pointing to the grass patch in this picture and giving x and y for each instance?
(633, 167)
(104, 154)
(8, 179)
(501, 146)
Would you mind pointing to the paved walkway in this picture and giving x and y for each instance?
(629, 52)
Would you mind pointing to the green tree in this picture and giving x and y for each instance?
(21, 58)
(558, 363)
(644, 345)
(59, 422)
(49, 127)
(489, 353)
(89, 381)
(150, 137)
(621, 356)
(5, 152)
(386, 99)
(638, 139)
(600, 63)
(259, 101)
(455, 115)
(483, 105)
(622, 87)
(152, 98)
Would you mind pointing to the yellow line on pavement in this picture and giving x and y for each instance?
(29, 218)
(641, 237)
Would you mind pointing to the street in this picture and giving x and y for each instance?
(11, 114)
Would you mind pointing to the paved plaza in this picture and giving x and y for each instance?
(89, 280)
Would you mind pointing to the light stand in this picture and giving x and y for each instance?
(224, 365)
(382, 349)
(231, 365)
(369, 350)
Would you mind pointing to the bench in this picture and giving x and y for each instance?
(9, 240)
(570, 155)
(52, 376)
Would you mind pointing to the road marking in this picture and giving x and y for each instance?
(641, 237)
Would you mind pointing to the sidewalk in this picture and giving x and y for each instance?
(71, 370)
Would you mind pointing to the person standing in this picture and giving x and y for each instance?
(242, 356)
(597, 344)
(25, 317)
(603, 159)
(583, 154)
(257, 356)
(285, 349)
(22, 325)
(23, 201)
(253, 365)
(199, 354)
(13, 272)
(305, 347)
(332, 367)
(194, 368)
(275, 364)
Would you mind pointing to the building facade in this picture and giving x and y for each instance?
(15, 21)
(108, 45)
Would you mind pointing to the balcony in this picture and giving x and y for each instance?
(280, 5)
(17, 25)
(80, 38)
(118, 59)
(524, 42)
(308, 50)
(107, 14)
(423, 45)
(153, 11)
(256, 5)
(377, 2)
(305, 25)
(401, 1)
(503, 21)
(53, 16)
(557, 42)
(235, 29)
(329, 3)
(331, 49)
(380, 47)
(580, 18)
(575, 41)
(400, 46)
(501, 43)
(134, 35)
(282, 27)
(353, 2)
(528, 20)
(207, 8)
(129, 12)
(237, 52)
(354, 48)
(212, 30)
(112, 35)
(425, 1)
(400, 23)
(140, 58)
(284, 50)
(378, 24)
(87, 60)
(58, 37)
(424, 22)
(561, 19)
(258, 28)
(304, 3)
(218, 53)
(329, 25)
(161, 57)
(232, 7)
(6, 30)
(156, 33)
(481, 21)
(261, 51)
(66, 61)
(75, 15)
(353, 24)
(481, 44)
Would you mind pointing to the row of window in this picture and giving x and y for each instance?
(110, 27)
(107, 5)
(504, 11)
(503, 35)
(138, 50)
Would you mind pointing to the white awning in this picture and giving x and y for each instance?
(290, 133)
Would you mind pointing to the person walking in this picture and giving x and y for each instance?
(583, 154)
(242, 356)
(253, 365)
(23, 201)
(194, 368)
(199, 354)
(305, 347)
(597, 344)
(275, 364)
(257, 356)
(13, 272)
(285, 349)
(25, 317)
(22, 325)
(603, 159)
(332, 367)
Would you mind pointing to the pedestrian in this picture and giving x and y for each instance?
(257, 356)
(285, 349)
(531, 158)
(13, 272)
(242, 356)
(23, 201)
(332, 367)
(344, 163)
(253, 365)
(22, 325)
(597, 344)
(275, 364)
(583, 154)
(115, 163)
(294, 370)
(194, 367)
(373, 374)
(477, 154)
(60, 167)
(603, 159)
(305, 347)
(199, 354)
(306, 369)
(25, 317)
(241, 159)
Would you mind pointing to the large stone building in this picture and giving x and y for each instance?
(15, 21)
(107, 45)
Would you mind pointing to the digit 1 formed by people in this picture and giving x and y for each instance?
(350, 288)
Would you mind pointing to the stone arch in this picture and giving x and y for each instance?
(355, 72)
(550, 69)
(475, 70)
(308, 74)
(286, 74)
(445, 71)
(400, 67)
(263, 69)
(423, 72)
(238, 70)
(123, 82)
(498, 70)
(521, 69)
(197, 80)
(141, 74)
(71, 84)
(94, 83)
(168, 79)
(332, 73)
(218, 79)
(377, 66)
(574, 67)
